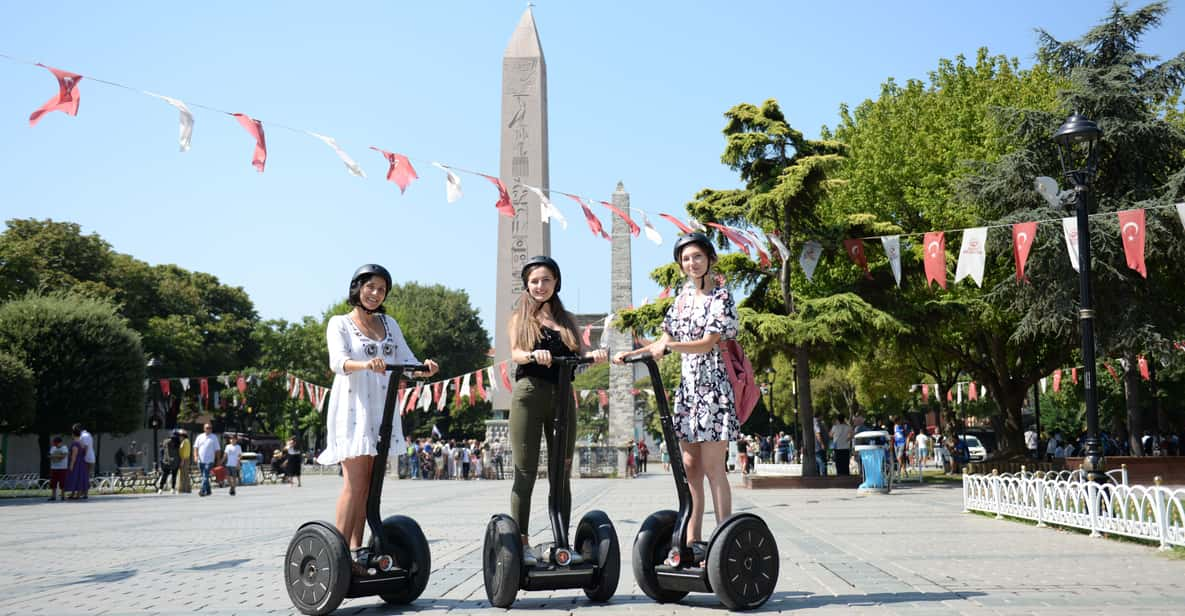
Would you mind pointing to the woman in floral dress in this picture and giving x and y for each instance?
(705, 416)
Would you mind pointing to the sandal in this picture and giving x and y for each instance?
(699, 553)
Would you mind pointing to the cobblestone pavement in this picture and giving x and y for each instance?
(911, 552)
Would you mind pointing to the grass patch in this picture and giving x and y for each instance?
(1173, 553)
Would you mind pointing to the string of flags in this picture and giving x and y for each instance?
(974, 392)
(207, 396)
(400, 170)
(755, 244)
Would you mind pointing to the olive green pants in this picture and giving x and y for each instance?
(532, 411)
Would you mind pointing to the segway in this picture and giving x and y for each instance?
(318, 570)
(594, 565)
(742, 557)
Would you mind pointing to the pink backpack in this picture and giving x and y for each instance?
(740, 374)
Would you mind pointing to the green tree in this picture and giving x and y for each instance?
(16, 394)
(37, 254)
(87, 363)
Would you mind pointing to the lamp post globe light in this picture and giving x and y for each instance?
(1077, 139)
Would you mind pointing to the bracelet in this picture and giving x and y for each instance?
(531, 357)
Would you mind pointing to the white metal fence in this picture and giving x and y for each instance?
(1066, 498)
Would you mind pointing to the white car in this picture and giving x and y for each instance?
(975, 449)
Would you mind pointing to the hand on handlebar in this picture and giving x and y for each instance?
(433, 368)
(599, 356)
(542, 357)
(377, 365)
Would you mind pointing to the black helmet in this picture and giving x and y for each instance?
(695, 237)
(371, 269)
(545, 261)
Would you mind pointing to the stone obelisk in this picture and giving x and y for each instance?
(621, 378)
(524, 163)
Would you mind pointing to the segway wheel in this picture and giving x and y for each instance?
(317, 568)
(596, 539)
(651, 547)
(402, 535)
(502, 561)
(743, 563)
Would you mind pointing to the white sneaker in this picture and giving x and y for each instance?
(530, 559)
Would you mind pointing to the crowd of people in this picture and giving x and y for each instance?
(433, 458)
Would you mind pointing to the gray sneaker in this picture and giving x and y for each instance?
(530, 559)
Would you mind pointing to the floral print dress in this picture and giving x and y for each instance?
(705, 409)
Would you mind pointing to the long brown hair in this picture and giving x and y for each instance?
(525, 326)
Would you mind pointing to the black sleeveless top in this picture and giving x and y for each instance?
(549, 341)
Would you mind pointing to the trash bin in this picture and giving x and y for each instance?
(248, 464)
(873, 449)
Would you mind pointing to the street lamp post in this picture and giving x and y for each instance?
(770, 374)
(154, 418)
(1077, 139)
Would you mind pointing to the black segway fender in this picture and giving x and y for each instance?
(743, 562)
(317, 568)
(597, 539)
(404, 538)
(651, 546)
(502, 560)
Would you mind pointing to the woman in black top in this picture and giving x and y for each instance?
(540, 329)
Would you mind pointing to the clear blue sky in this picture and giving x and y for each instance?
(637, 91)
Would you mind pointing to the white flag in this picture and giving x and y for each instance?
(652, 234)
(1181, 213)
(695, 224)
(186, 119)
(972, 255)
(758, 245)
(490, 379)
(584, 394)
(1042, 384)
(546, 209)
(351, 166)
(185, 383)
(982, 391)
(810, 257)
(892, 244)
(402, 400)
(781, 246)
(426, 398)
(452, 183)
(959, 392)
(465, 385)
(1070, 231)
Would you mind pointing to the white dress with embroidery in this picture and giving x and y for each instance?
(356, 400)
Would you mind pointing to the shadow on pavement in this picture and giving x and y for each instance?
(225, 564)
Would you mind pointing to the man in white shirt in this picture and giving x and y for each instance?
(841, 445)
(1031, 442)
(205, 453)
(88, 442)
(923, 442)
(232, 454)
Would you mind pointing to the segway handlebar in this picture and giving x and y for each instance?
(643, 356)
(571, 361)
(407, 368)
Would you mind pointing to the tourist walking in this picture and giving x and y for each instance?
(540, 329)
(185, 456)
(841, 446)
(77, 477)
(205, 454)
(643, 454)
(169, 462)
(231, 456)
(705, 416)
(293, 460)
(88, 443)
(361, 343)
(59, 466)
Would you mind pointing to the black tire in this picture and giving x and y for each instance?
(317, 568)
(502, 561)
(596, 539)
(404, 538)
(651, 547)
(743, 563)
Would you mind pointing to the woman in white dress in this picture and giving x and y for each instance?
(361, 344)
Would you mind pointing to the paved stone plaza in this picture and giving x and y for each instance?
(911, 552)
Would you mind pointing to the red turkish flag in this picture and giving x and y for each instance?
(603, 396)
(401, 172)
(481, 391)
(587, 335)
(164, 387)
(1147, 376)
(437, 391)
(925, 392)
(204, 388)
(1074, 375)
(411, 400)
(1131, 229)
(400, 399)
(666, 292)
(241, 383)
(855, 250)
(505, 376)
(594, 224)
(1023, 234)
(683, 228)
(456, 392)
(66, 100)
(504, 205)
(950, 396)
(1057, 380)
(575, 399)
(972, 392)
(255, 129)
(1112, 371)
(935, 244)
(634, 228)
